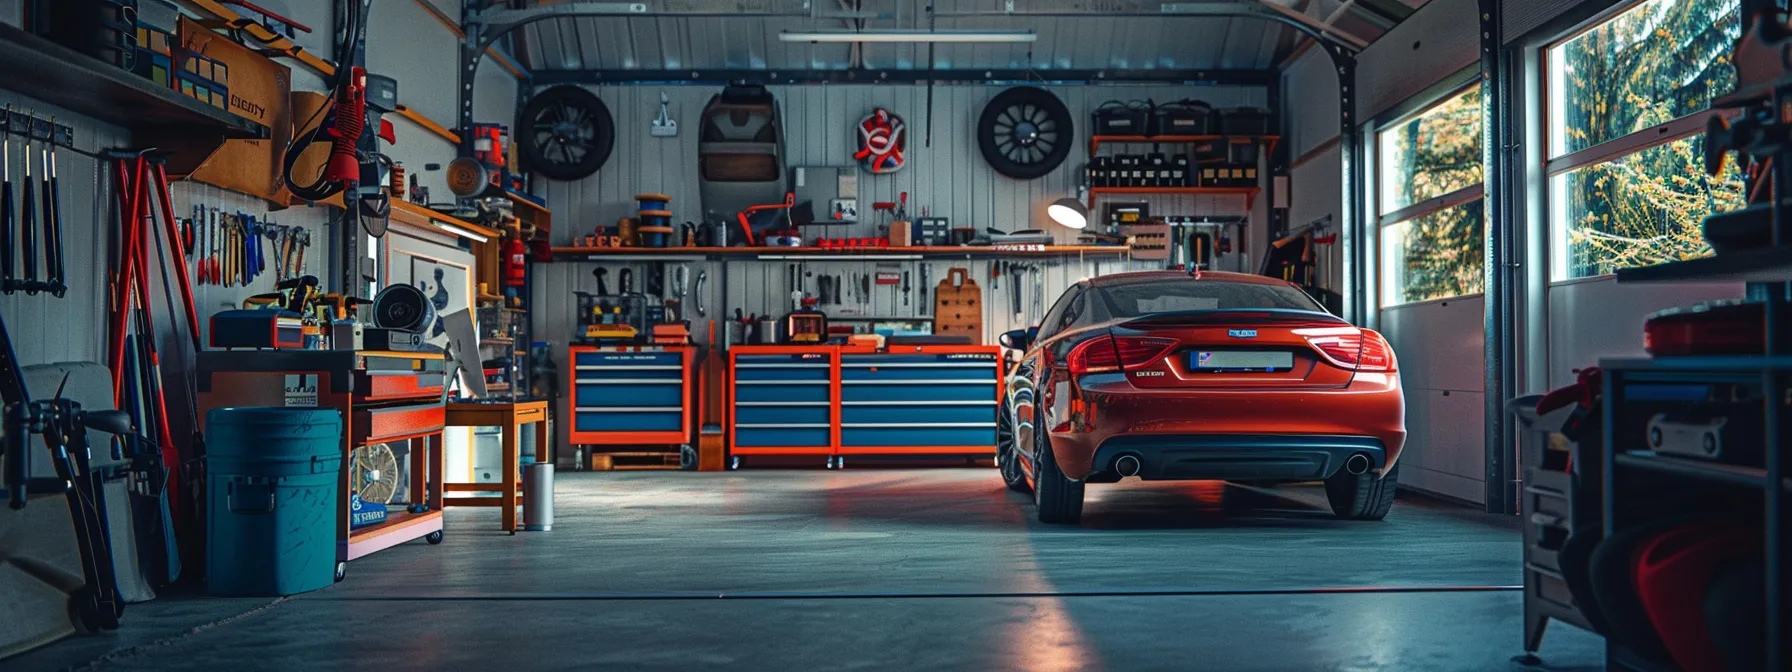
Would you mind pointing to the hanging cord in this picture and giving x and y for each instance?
(319, 188)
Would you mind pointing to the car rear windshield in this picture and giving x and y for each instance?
(1145, 298)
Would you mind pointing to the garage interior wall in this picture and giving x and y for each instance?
(49, 330)
(1310, 94)
(948, 179)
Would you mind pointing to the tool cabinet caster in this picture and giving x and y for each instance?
(341, 571)
(840, 462)
(734, 463)
(830, 464)
(687, 458)
(434, 537)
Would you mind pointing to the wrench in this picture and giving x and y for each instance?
(702, 277)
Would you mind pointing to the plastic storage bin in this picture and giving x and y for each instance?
(272, 492)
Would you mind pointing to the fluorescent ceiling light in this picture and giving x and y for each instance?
(909, 36)
(450, 228)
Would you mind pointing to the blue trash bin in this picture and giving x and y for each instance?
(271, 493)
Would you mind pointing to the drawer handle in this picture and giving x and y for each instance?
(821, 425)
(918, 425)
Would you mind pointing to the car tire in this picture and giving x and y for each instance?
(1362, 496)
(1059, 499)
(1005, 458)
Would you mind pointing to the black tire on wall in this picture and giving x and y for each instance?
(564, 133)
(1025, 132)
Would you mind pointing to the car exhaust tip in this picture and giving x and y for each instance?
(1357, 464)
(1127, 466)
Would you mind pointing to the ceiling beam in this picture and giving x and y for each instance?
(895, 76)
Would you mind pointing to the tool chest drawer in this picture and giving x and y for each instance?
(373, 425)
(783, 400)
(632, 395)
(919, 401)
(377, 385)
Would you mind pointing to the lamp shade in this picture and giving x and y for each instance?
(1068, 212)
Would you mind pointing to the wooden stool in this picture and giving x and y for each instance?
(509, 418)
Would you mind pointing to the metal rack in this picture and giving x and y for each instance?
(1767, 274)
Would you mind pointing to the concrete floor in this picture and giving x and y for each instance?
(884, 569)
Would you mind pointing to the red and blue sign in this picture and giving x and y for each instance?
(883, 143)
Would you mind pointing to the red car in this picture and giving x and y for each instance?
(1211, 376)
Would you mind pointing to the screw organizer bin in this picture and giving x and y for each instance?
(783, 400)
(630, 395)
(835, 400)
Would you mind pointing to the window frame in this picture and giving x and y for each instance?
(1451, 87)
(1609, 151)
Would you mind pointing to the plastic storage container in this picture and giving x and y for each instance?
(272, 492)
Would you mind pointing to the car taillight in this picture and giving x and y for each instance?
(1351, 348)
(1095, 355)
(1106, 353)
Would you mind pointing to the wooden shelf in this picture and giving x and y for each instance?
(601, 253)
(1250, 193)
(1268, 140)
(530, 211)
(157, 116)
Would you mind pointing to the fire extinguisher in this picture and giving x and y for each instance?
(516, 254)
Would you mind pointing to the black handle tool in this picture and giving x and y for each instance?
(8, 281)
(28, 226)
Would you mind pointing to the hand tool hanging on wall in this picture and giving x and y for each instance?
(926, 281)
(656, 279)
(8, 281)
(905, 287)
(599, 273)
(52, 206)
(1014, 291)
(28, 226)
(702, 278)
(625, 281)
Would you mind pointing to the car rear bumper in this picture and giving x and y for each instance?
(1267, 434)
(1175, 457)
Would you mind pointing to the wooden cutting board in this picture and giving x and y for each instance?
(958, 307)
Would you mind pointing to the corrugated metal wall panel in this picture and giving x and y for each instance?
(46, 329)
(950, 178)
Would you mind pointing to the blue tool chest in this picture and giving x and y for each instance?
(783, 400)
(632, 395)
(917, 401)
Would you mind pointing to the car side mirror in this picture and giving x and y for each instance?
(1019, 339)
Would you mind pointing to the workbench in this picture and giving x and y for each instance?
(384, 397)
(834, 401)
(510, 419)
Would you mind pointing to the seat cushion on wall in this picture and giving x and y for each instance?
(40, 562)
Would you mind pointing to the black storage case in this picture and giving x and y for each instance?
(1245, 121)
(1117, 118)
(1186, 117)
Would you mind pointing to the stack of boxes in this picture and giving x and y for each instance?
(204, 79)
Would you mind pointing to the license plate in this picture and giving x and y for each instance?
(1240, 360)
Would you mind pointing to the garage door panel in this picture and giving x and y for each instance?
(1440, 344)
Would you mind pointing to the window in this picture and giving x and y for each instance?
(1143, 298)
(1628, 99)
(1060, 314)
(1429, 205)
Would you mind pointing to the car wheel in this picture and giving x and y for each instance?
(1362, 496)
(1059, 499)
(1005, 457)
